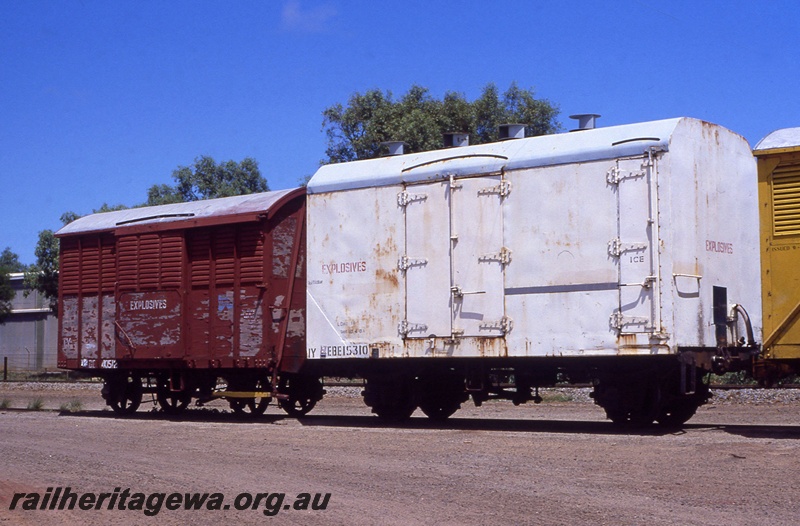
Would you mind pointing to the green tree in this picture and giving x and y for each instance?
(69, 217)
(9, 263)
(107, 208)
(206, 179)
(42, 276)
(162, 194)
(357, 130)
(6, 295)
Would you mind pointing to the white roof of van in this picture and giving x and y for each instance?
(785, 138)
(581, 146)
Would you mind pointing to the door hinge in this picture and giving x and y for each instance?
(619, 320)
(455, 336)
(404, 327)
(614, 175)
(404, 198)
(616, 247)
(652, 153)
(504, 256)
(502, 189)
(504, 325)
(404, 263)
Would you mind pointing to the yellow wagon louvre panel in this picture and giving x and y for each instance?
(786, 200)
(778, 158)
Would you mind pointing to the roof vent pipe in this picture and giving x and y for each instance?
(455, 140)
(512, 131)
(395, 147)
(586, 121)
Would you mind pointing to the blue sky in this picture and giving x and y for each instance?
(102, 99)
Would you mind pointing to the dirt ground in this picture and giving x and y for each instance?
(736, 462)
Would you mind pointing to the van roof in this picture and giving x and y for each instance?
(194, 213)
(581, 146)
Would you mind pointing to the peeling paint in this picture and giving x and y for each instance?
(251, 323)
(107, 330)
(296, 325)
(152, 321)
(282, 244)
(89, 322)
(69, 327)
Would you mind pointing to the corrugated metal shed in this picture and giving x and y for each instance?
(194, 211)
(29, 336)
(785, 138)
(547, 150)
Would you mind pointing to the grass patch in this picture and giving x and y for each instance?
(5, 403)
(37, 404)
(73, 406)
(737, 378)
(550, 396)
(50, 376)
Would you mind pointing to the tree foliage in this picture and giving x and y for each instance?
(163, 194)
(357, 130)
(42, 276)
(9, 263)
(206, 179)
(6, 295)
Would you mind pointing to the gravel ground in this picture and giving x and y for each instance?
(552, 463)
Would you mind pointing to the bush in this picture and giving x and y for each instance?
(73, 406)
(37, 404)
(737, 378)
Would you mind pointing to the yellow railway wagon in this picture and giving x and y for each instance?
(778, 158)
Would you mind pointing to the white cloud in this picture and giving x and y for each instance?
(296, 17)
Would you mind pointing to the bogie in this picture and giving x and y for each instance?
(123, 393)
(299, 394)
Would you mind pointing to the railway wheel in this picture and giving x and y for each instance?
(675, 415)
(171, 401)
(629, 404)
(440, 396)
(678, 409)
(251, 406)
(123, 393)
(439, 411)
(303, 394)
(390, 397)
(394, 413)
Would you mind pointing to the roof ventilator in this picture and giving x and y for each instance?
(512, 131)
(395, 147)
(456, 140)
(586, 121)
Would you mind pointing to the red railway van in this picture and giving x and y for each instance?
(184, 295)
